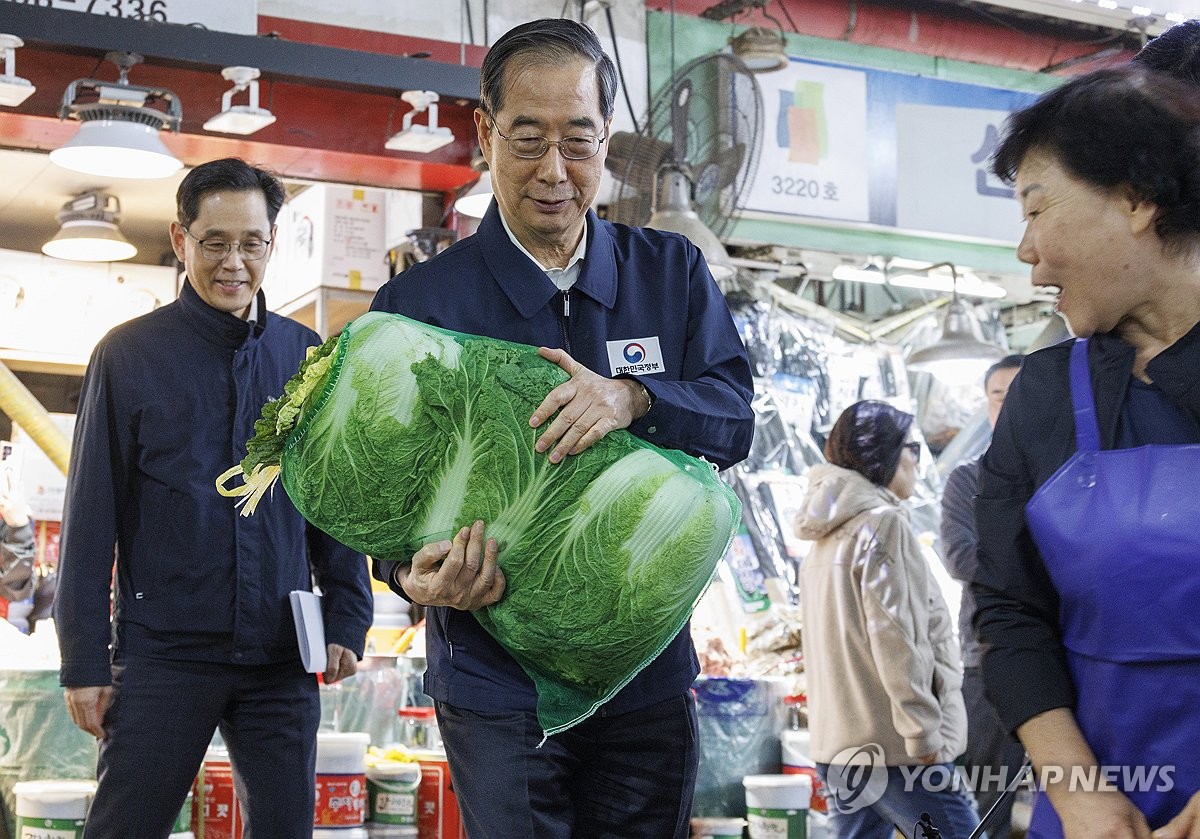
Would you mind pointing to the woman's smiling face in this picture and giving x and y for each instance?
(1083, 240)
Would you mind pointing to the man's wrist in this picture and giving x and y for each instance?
(400, 573)
(647, 395)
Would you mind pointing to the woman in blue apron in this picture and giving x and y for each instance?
(1088, 586)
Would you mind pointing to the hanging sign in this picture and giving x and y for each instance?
(890, 149)
(237, 16)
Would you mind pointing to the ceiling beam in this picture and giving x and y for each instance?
(173, 44)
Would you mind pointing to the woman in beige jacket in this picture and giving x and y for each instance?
(884, 685)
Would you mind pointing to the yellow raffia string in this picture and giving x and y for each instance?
(251, 492)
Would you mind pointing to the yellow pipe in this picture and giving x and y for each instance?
(24, 410)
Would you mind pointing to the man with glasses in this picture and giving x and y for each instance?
(201, 633)
(634, 317)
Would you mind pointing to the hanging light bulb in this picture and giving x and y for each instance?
(960, 356)
(673, 212)
(89, 231)
(120, 124)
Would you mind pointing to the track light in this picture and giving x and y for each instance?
(240, 119)
(13, 89)
(120, 123)
(420, 138)
(89, 231)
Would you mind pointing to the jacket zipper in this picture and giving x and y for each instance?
(565, 320)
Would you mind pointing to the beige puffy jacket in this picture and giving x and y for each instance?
(880, 655)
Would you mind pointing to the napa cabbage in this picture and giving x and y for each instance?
(397, 434)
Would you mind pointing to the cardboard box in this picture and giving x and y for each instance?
(332, 236)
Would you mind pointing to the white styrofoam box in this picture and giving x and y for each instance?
(334, 236)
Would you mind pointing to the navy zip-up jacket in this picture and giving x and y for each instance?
(169, 400)
(644, 299)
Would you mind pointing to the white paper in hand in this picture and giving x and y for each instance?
(310, 630)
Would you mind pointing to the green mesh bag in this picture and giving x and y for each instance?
(397, 434)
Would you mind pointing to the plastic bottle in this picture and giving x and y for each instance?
(797, 760)
(418, 728)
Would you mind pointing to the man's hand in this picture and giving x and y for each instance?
(87, 705)
(342, 663)
(1184, 826)
(588, 406)
(461, 573)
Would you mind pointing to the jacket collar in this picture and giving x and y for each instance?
(527, 285)
(1111, 363)
(220, 328)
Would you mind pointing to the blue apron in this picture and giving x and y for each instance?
(1119, 532)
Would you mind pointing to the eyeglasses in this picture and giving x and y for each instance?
(914, 447)
(216, 250)
(571, 148)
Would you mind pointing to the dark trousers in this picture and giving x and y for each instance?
(161, 721)
(629, 776)
(993, 756)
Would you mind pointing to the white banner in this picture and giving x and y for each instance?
(815, 146)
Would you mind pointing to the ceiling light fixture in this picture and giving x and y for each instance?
(13, 89)
(475, 202)
(966, 283)
(89, 231)
(762, 50)
(240, 119)
(120, 124)
(868, 273)
(960, 356)
(420, 138)
(673, 211)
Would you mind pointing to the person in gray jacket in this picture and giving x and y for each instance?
(994, 756)
(884, 686)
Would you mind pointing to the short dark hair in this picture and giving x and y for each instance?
(1119, 127)
(868, 438)
(1175, 52)
(226, 174)
(1009, 362)
(546, 41)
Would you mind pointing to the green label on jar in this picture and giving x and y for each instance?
(31, 828)
(392, 802)
(767, 823)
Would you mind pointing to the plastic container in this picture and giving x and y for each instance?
(796, 761)
(216, 811)
(392, 792)
(777, 806)
(438, 816)
(715, 827)
(52, 808)
(418, 728)
(183, 822)
(386, 630)
(341, 780)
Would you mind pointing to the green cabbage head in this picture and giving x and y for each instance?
(397, 434)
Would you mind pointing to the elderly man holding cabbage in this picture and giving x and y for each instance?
(645, 342)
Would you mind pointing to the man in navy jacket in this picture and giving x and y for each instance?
(201, 631)
(633, 315)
